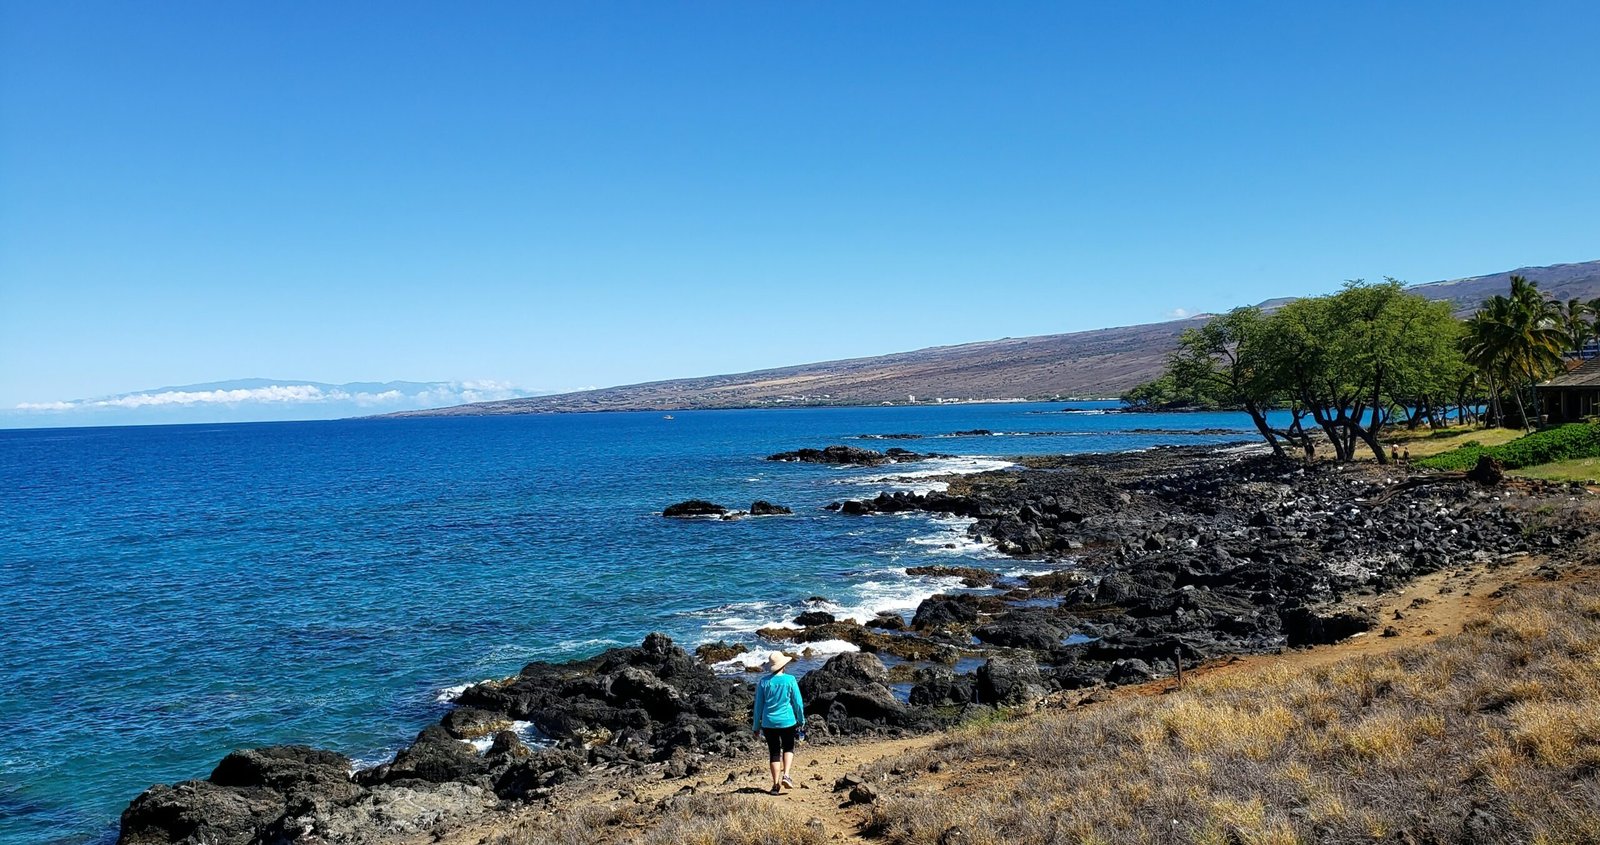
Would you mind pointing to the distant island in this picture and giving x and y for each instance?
(1101, 363)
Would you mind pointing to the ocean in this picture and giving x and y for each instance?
(171, 593)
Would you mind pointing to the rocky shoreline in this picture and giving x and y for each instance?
(1155, 558)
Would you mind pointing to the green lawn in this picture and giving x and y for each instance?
(1424, 443)
(1586, 470)
(1559, 445)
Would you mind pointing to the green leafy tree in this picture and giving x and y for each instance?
(1226, 362)
(1350, 362)
(1352, 359)
(1161, 393)
(1437, 373)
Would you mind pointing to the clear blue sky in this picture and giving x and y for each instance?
(576, 194)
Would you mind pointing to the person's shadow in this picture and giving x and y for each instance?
(751, 790)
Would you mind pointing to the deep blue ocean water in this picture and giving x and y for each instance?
(171, 593)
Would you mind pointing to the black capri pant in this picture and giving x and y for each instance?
(780, 741)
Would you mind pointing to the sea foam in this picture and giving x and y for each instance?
(754, 659)
(913, 480)
(952, 539)
(523, 730)
(452, 693)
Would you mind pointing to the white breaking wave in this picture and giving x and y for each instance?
(887, 590)
(897, 593)
(364, 762)
(745, 617)
(449, 694)
(933, 467)
(953, 539)
(956, 545)
(756, 658)
(911, 480)
(520, 728)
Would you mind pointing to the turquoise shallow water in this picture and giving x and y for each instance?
(172, 593)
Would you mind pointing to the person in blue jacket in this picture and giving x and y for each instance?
(781, 717)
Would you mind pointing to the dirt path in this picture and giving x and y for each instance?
(812, 801)
(1430, 607)
(818, 765)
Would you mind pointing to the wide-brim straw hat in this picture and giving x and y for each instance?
(777, 660)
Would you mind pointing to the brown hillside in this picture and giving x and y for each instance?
(1099, 363)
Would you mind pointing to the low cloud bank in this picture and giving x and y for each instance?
(395, 395)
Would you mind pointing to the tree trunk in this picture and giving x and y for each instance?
(1414, 416)
(1379, 420)
(1370, 437)
(1260, 419)
(1533, 387)
(1341, 441)
(1334, 436)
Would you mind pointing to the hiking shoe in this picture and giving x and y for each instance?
(777, 790)
(787, 783)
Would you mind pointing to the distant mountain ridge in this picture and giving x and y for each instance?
(1097, 363)
(1562, 281)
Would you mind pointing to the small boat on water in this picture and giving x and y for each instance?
(667, 417)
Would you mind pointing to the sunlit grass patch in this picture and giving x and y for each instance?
(1557, 733)
(1584, 470)
(1231, 821)
(1423, 443)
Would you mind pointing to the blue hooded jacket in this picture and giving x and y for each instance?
(778, 702)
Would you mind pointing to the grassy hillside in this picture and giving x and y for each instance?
(1489, 736)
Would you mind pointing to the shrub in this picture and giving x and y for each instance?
(1562, 443)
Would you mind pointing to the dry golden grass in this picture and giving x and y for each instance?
(1489, 736)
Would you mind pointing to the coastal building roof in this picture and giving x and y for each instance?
(1585, 375)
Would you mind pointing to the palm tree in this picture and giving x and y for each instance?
(1575, 314)
(1484, 344)
(1516, 341)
